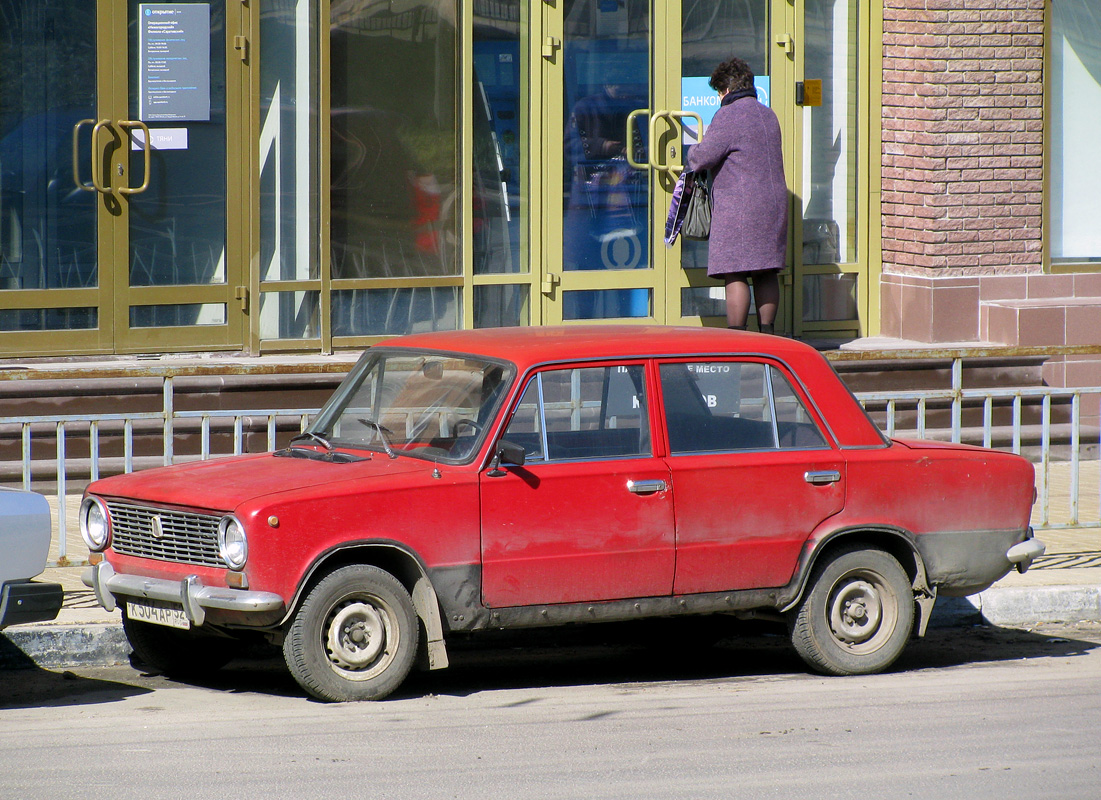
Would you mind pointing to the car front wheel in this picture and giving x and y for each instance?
(857, 614)
(354, 636)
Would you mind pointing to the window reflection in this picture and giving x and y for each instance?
(394, 139)
(829, 134)
(605, 58)
(1075, 120)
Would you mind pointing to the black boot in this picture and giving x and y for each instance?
(767, 327)
(736, 327)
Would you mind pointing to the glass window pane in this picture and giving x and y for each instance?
(597, 412)
(500, 137)
(717, 406)
(289, 199)
(794, 424)
(49, 319)
(606, 304)
(47, 86)
(178, 226)
(181, 314)
(829, 297)
(502, 306)
(394, 140)
(829, 134)
(606, 69)
(525, 428)
(1075, 120)
(713, 32)
(703, 301)
(382, 312)
(290, 315)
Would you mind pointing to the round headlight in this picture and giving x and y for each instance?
(232, 542)
(94, 527)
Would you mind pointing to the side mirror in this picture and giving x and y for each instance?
(507, 453)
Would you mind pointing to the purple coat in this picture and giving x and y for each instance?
(749, 222)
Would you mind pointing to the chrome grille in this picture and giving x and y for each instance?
(185, 537)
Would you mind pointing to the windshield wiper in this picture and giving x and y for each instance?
(316, 437)
(382, 430)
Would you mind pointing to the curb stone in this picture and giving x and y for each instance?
(50, 646)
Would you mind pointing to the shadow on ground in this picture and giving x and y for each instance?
(653, 651)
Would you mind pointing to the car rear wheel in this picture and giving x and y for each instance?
(354, 637)
(178, 653)
(857, 614)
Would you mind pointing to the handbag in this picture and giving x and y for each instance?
(697, 215)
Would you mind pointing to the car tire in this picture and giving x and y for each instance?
(857, 614)
(354, 637)
(178, 653)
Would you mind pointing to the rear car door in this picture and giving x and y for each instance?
(753, 470)
(589, 516)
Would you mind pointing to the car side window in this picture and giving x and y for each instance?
(583, 413)
(720, 406)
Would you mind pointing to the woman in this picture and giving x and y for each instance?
(749, 224)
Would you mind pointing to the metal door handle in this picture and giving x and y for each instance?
(97, 158)
(822, 477)
(629, 138)
(646, 487)
(129, 125)
(86, 187)
(674, 118)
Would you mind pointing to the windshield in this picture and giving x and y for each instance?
(429, 405)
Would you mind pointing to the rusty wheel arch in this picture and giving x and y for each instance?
(405, 566)
(897, 542)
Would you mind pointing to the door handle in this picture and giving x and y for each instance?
(97, 158)
(629, 138)
(674, 118)
(86, 187)
(646, 487)
(129, 125)
(822, 477)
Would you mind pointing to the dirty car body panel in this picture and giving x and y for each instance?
(522, 477)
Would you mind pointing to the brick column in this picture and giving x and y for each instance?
(962, 158)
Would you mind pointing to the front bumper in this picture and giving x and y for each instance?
(190, 593)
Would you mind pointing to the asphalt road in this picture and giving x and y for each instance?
(619, 713)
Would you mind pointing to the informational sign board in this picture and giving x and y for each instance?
(174, 61)
(698, 96)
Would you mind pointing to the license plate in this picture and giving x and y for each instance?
(166, 614)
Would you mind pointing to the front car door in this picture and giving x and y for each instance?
(753, 471)
(589, 516)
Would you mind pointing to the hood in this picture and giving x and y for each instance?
(223, 484)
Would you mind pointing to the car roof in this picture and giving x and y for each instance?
(527, 346)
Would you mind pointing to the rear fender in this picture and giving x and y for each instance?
(895, 541)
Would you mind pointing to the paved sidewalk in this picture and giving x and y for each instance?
(1064, 585)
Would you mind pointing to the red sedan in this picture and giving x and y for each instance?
(510, 478)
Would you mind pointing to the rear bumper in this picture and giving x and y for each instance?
(23, 602)
(961, 563)
(190, 593)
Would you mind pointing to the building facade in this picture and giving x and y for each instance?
(307, 175)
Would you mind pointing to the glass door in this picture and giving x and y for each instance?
(50, 277)
(164, 143)
(116, 127)
(755, 31)
(599, 227)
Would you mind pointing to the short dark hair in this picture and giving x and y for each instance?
(733, 75)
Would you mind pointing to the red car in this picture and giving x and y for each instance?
(511, 478)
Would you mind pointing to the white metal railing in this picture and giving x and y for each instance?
(1068, 487)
